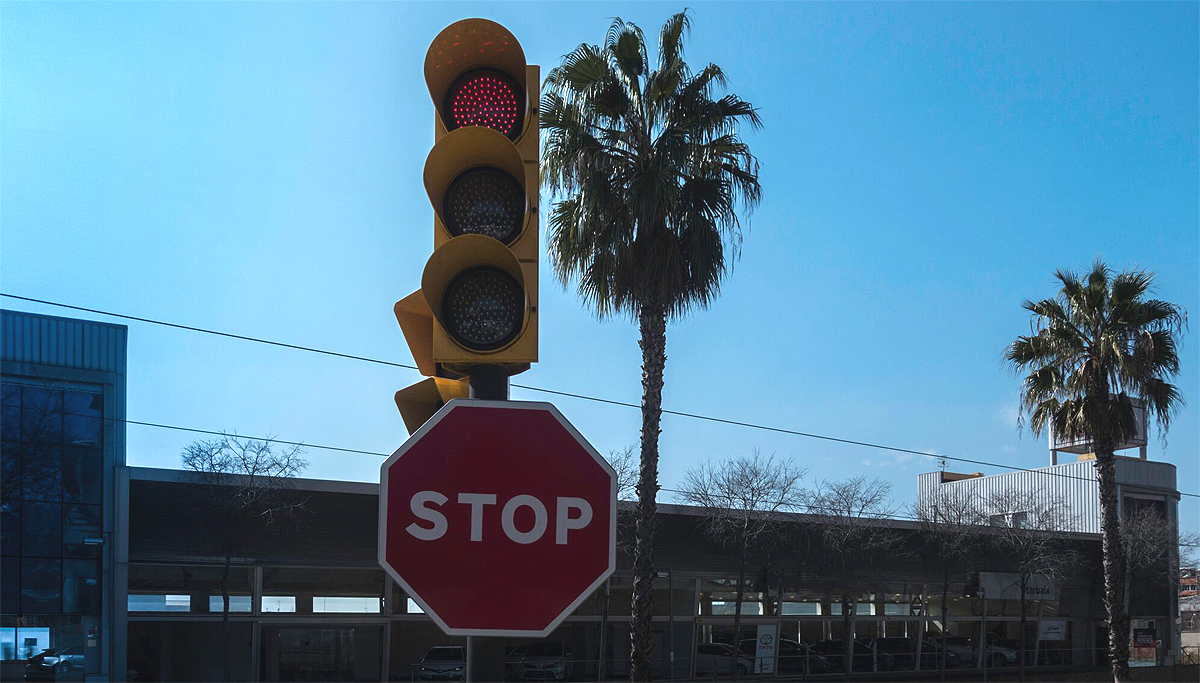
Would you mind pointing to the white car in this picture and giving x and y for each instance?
(552, 661)
(713, 659)
(442, 663)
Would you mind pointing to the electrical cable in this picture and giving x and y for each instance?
(554, 392)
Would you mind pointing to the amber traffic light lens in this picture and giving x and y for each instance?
(485, 201)
(483, 308)
(488, 98)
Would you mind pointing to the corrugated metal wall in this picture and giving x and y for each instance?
(1074, 483)
(64, 342)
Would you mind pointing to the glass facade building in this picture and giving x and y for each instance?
(62, 396)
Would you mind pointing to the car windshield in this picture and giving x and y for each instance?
(444, 654)
(544, 650)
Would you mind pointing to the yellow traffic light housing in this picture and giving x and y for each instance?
(478, 183)
(418, 403)
(477, 305)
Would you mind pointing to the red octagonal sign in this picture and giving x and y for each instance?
(497, 517)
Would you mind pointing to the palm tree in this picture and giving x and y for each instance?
(652, 175)
(1095, 348)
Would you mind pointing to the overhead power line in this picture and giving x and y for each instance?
(553, 392)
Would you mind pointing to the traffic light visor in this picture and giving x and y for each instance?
(475, 180)
(475, 71)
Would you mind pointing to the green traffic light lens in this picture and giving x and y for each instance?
(484, 201)
(483, 308)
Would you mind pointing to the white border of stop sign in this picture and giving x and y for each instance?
(504, 405)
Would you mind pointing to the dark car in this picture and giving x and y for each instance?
(792, 657)
(897, 653)
(832, 650)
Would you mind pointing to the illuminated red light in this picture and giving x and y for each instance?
(488, 99)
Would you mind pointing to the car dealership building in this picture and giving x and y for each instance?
(136, 581)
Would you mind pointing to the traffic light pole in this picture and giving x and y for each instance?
(485, 655)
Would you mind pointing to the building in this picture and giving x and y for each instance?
(1073, 487)
(119, 563)
(63, 429)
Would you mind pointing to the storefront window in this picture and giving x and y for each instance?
(315, 591)
(186, 588)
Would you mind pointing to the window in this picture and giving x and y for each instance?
(237, 603)
(141, 602)
(278, 603)
(52, 460)
(336, 604)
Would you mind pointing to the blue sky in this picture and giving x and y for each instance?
(255, 168)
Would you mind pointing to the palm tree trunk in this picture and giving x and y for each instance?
(652, 324)
(1115, 568)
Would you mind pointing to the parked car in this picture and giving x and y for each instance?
(967, 652)
(712, 659)
(832, 650)
(442, 663)
(512, 662)
(547, 661)
(898, 653)
(55, 663)
(931, 656)
(792, 657)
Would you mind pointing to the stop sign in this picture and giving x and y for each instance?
(497, 518)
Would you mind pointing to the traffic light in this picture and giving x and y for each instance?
(477, 304)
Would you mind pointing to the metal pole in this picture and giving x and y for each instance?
(485, 655)
(671, 617)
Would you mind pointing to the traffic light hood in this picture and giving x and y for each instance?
(473, 147)
(474, 44)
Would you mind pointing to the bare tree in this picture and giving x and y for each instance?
(851, 521)
(950, 520)
(239, 483)
(1027, 527)
(745, 500)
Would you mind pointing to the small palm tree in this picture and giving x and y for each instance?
(652, 176)
(1096, 347)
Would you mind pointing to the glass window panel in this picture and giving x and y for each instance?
(81, 523)
(41, 532)
(142, 602)
(10, 471)
(10, 586)
(10, 394)
(41, 472)
(41, 415)
(237, 603)
(10, 423)
(81, 470)
(278, 603)
(81, 587)
(305, 584)
(345, 604)
(170, 578)
(413, 607)
(82, 414)
(41, 586)
(10, 527)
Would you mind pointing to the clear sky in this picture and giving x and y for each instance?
(256, 168)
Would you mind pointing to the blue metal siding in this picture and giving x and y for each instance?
(62, 342)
